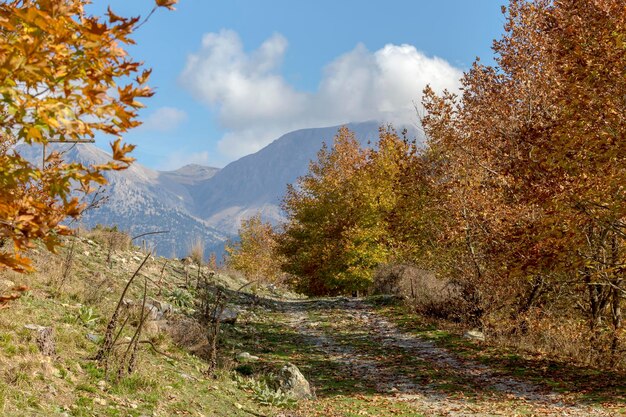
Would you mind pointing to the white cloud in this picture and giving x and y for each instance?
(255, 104)
(164, 119)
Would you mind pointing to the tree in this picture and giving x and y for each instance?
(254, 253)
(64, 75)
(338, 228)
(533, 158)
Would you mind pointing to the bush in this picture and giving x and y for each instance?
(196, 251)
(110, 237)
(427, 294)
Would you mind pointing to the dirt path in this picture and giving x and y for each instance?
(404, 368)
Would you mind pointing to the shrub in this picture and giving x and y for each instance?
(427, 294)
(196, 251)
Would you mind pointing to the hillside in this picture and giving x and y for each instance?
(362, 357)
(75, 294)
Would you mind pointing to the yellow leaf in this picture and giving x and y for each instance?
(35, 134)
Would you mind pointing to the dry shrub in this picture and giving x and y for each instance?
(110, 237)
(196, 251)
(401, 280)
(563, 337)
(427, 294)
(189, 334)
(98, 284)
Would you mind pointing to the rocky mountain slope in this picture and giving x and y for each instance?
(141, 200)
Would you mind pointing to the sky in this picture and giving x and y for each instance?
(232, 76)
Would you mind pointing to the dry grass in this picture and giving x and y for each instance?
(110, 238)
(196, 251)
(561, 337)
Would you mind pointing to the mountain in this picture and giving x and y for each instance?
(257, 182)
(141, 200)
(198, 202)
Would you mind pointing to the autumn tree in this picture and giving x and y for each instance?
(338, 215)
(64, 76)
(254, 253)
(533, 160)
(319, 209)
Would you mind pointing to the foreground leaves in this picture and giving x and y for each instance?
(64, 76)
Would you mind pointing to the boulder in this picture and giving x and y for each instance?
(155, 310)
(475, 335)
(162, 307)
(246, 357)
(293, 383)
(228, 316)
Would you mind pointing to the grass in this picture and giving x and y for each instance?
(72, 384)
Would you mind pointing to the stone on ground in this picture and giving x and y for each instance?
(293, 383)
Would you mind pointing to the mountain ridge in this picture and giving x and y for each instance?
(200, 202)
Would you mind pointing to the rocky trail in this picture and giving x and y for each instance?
(408, 374)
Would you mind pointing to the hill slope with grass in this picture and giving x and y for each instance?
(361, 356)
(74, 294)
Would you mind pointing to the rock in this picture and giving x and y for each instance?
(228, 316)
(163, 309)
(189, 377)
(78, 369)
(6, 285)
(152, 312)
(246, 357)
(35, 327)
(293, 383)
(475, 335)
(100, 401)
(155, 310)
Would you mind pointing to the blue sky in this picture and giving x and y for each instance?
(231, 76)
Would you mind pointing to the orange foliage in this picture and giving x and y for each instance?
(59, 75)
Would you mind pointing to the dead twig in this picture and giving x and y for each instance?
(107, 344)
